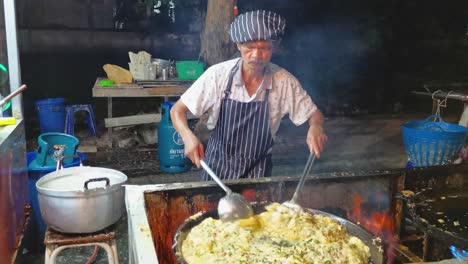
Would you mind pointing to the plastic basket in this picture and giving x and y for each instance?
(430, 143)
(189, 70)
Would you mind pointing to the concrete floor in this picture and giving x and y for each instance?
(354, 144)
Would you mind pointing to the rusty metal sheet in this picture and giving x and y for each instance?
(13, 192)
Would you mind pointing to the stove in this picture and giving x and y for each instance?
(371, 199)
(437, 213)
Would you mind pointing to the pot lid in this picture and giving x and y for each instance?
(80, 179)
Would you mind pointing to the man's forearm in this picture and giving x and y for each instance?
(179, 119)
(316, 119)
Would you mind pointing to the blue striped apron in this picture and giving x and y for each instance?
(240, 144)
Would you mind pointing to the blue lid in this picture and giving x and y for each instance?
(168, 103)
(49, 101)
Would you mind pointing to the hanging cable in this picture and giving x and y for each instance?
(440, 103)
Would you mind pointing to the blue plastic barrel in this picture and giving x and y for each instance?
(35, 174)
(170, 145)
(51, 113)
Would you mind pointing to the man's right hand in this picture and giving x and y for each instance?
(194, 149)
(193, 146)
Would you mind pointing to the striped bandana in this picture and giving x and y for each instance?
(257, 25)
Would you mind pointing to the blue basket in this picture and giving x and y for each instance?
(430, 143)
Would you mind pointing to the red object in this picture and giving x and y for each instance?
(235, 11)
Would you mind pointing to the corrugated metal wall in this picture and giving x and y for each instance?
(13, 190)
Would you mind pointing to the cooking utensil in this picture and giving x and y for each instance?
(9, 97)
(293, 202)
(13, 94)
(377, 255)
(81, 199)
(233, 206)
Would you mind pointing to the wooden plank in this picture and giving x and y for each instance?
(88, 145)
(164, 82)
(139, 92)
(87, 149)
(160, 89)
(132, 120)
(137, 120)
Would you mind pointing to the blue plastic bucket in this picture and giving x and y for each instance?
(35, 174)
(51, 113)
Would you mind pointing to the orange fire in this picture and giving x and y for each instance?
(378, 223)
(249, 194)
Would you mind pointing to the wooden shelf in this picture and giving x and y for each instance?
(158, 89)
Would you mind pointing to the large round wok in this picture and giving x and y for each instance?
(376, 252)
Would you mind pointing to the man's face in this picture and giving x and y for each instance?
(256, 54)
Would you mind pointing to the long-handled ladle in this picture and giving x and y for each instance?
(293, 202)
(233, 206)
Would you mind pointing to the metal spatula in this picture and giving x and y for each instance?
(233, 206)
(293, 202)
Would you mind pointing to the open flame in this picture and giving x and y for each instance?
(377, 222)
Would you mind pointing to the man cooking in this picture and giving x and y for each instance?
(246, 98)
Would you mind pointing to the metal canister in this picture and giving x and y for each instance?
(171, 154)
(164, 74)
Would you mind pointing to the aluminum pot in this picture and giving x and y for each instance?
(81, 199)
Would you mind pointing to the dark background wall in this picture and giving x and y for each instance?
(64, 45)
(368, 55)
(361, 55)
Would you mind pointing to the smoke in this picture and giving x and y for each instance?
(333, 59)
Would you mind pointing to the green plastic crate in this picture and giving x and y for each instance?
(189, 70)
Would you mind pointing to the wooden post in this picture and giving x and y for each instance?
(216, 44)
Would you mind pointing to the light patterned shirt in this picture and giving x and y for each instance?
(286, 94)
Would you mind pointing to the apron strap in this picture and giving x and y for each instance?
(227, 91)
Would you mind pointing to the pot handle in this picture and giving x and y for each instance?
(96, 180)
(60, 161)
